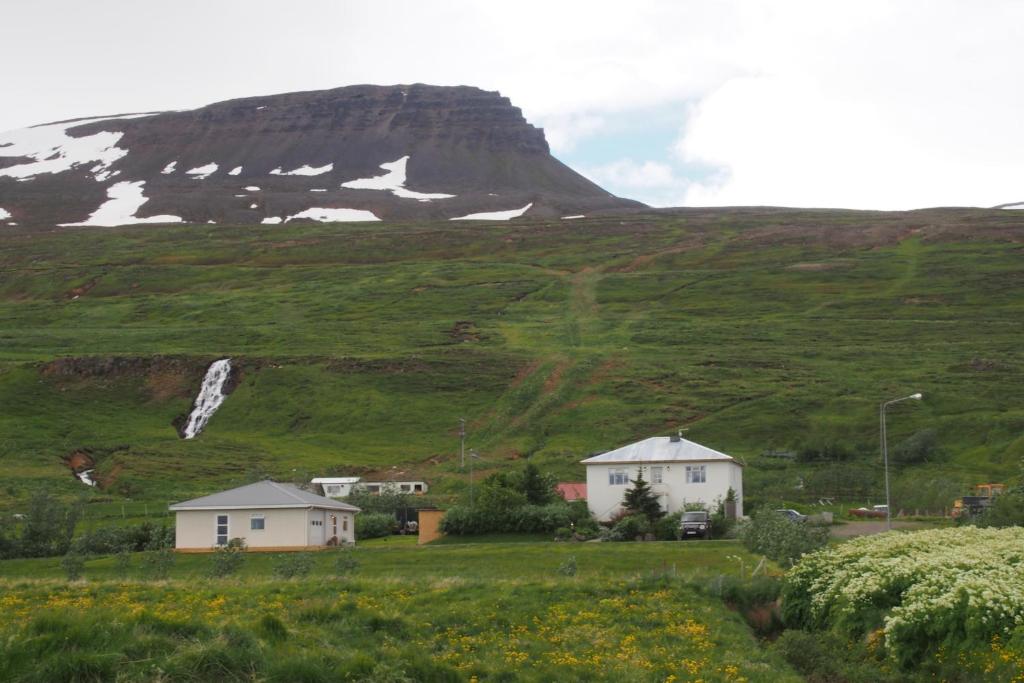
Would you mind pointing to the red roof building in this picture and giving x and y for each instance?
(571, 490)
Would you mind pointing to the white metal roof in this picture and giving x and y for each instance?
(659, 449)
(263, 494)
(335, 480)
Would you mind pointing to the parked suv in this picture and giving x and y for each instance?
(695, 523)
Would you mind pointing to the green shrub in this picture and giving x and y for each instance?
(825, 657)
(375, 525)
(569, 567)
(73, 565)
(108, 540)
(1006, 510)
(228, 559)
(292, 565)
(159, 563)
(781, 539)
(667, 528)
(273, 628)
(630, 528)
(48, 528)
(345, 563)
(122, 562)
(523, 518)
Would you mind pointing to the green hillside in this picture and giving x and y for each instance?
(362, 344)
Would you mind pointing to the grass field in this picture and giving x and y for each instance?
(495, 612)
(360, 346)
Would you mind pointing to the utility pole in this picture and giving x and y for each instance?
(462, 442)
(885, 453)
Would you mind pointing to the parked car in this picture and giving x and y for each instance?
(793, 515)
(695, 523)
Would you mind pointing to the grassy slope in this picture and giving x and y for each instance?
(361, 345)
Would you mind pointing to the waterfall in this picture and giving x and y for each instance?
(86, 477)
(211, 395)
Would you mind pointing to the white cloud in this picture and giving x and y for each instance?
(632, 174)
(868, 107)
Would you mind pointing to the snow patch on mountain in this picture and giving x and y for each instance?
(53, 150)
(237, 170)
(251, 188)
(201, 172)
(272, 220)
(335, 215)
(495, 215)
(4, 214)
(305, 170)
(169, 168)
(394, 182)
(123, 201)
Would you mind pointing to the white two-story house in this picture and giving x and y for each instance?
(679, 472)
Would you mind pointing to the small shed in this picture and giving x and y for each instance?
(267, 515)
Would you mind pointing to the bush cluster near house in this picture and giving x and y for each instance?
(518, 502)
(943, 601)
(779, 538)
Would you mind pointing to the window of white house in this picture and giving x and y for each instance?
(257, 523)
(656, 476)
(405, 487)
(695, 474)
(618, 477)
(222, 529)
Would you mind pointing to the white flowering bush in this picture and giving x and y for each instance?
(943, 588)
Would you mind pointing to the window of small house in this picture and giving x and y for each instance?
(656, 475)
(222, 529)
(257, 523)
(695, 474)
(405, 487)
(618, 477)
(344, 523)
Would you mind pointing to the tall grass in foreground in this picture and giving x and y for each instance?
(563, 629)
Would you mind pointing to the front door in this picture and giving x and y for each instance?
(316, 533)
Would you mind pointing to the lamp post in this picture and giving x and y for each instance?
(885, 453)
(472, 456)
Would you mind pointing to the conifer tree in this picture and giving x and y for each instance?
(641, 500)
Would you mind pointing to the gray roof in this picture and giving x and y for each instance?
(263, 494)
(660, 449)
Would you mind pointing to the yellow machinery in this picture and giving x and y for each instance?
(976, 504)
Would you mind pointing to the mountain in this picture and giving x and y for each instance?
(355, 153)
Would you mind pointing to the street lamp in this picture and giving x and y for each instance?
(472, 456)
(885, 454)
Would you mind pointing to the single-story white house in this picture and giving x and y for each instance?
(267, 515)
(679, 472)
(336, 487)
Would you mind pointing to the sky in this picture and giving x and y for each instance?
(866, 104)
